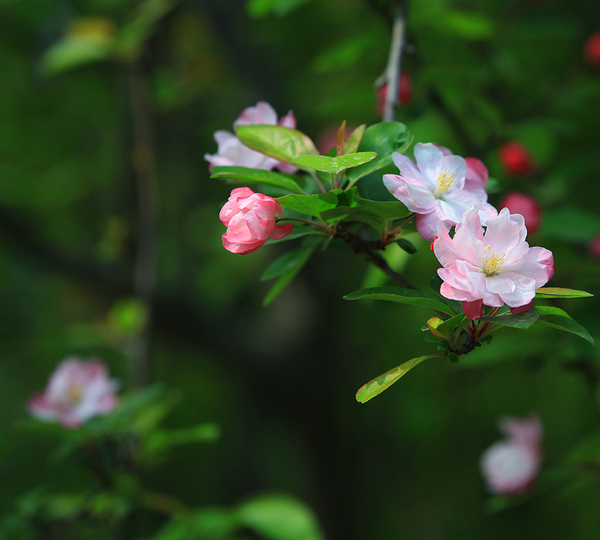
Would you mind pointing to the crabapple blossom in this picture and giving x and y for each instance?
(250, 221)
(77, 391)
(477, 173)
(494, 267)
(511, 466)
(515, 158)
(434, 188)
(528, 207)
(231, 151)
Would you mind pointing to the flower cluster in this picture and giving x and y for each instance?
(77, 391)
(511, 466)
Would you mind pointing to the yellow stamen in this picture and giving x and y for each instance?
(74, 394)
(492, 265)
(445, 181)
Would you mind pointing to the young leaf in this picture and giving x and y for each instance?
(400, 295)
(335, 164)
(278, 142)
(279, 517)
(383, 382)
(256, 176)
(339, 139)
(520, 320)
(385, 138)
(556, 292)
(353, 140)
(309, 204)
(300, 258)
(557, 318)
(438, 327)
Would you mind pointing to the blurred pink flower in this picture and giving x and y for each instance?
(528, 207)
(515, 158)
(511, 466)
(493, 268)
(594, 247)
(592, 49)
(405, 92)
(250, 221)
(434, 188)
(76, 391)
(231, 151)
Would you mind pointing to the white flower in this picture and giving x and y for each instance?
(435, 189)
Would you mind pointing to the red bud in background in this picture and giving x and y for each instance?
(405, 92)
(528, 207)
(594, 249)
(515, 158)
(592, 49)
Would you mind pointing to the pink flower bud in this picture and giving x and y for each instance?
(528, 207)
(515, 158)
(250, 219)
(477, 174)
(77, 391)
(511, 466)
(592, 49)
(594, 249)
(405, 92)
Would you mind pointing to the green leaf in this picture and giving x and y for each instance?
(557, 318)
(262, 8)
(471, 26)
(128, 317)
(521, 320)
(294, 264)
(309, 204)
(556, 292)
(383, 382)
(384, 138)
(160, 440)
(388, 210)
(353, 140)
(400, 295)
(345, 54)
(335, 164)
(256, 176)
(406, 245)
(88, 40)
(279, 142)
(280, 517)
(571, 224)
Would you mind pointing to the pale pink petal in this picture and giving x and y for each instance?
(289, 120)
(477, 174)
(526, 431)
(263, 113)
(428, 157)
(428, 225)
(509, 468)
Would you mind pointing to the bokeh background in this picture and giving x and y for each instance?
(280, 381)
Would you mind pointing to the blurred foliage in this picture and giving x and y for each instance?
(280, 381)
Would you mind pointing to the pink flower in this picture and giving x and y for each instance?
(494, 267)
(515, 158)
(405, 92)
(76, 391)
(528, 207)
(250, 221)
(231, 151)
(592, 49)
(594, 247)
(511, 466)
(435, 189)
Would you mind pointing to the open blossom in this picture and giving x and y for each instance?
(494, 267)
(435, 189)
(77, 391)
(232, 152)
(250, 221)
(511, 466)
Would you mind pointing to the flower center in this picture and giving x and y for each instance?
(492, 264)
(445, 181)
(74, 394)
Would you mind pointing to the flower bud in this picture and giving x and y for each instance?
(515, 158)
(528, 207)
(250, 219)
(592, 49)
(405, 92)
(76, 391)
(594, 249)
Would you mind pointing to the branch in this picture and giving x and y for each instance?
(392, 72)
(369, 249)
